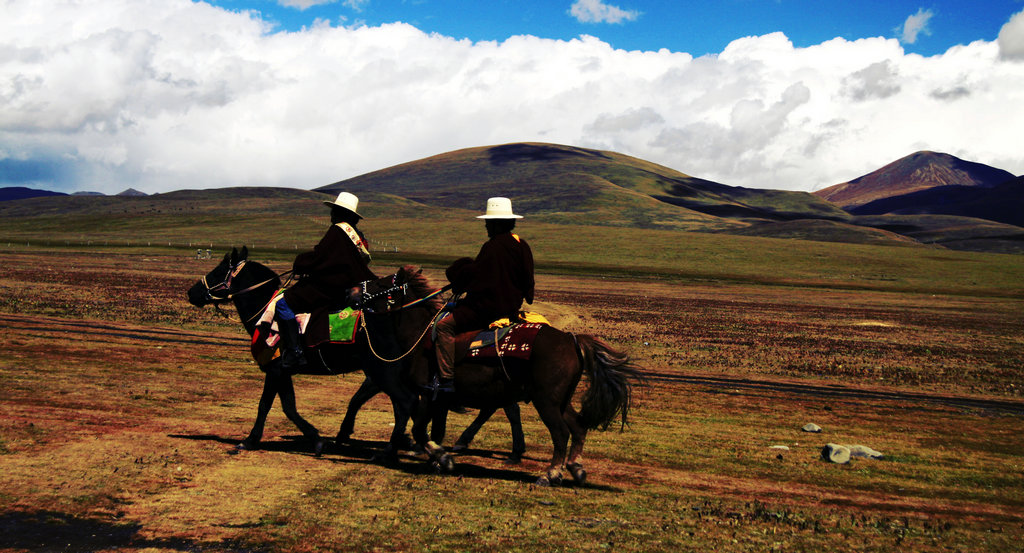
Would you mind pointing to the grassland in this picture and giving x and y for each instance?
(120, 404)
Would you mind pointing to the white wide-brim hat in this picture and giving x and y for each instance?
(347, 201)
(499, 208)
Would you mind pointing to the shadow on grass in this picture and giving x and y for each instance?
(44, 531)
(371, 453)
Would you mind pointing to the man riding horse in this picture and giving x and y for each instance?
(338, 262)
(495, 283)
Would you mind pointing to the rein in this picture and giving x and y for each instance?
(404, 288)
(232, 273)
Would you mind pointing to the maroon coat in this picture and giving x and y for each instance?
(496, 282)
(334, 266)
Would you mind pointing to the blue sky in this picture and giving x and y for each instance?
(161, 95)
(695, 27)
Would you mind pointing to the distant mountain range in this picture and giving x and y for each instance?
(21, 193)
(924, 198)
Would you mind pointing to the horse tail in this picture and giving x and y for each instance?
(612, 375)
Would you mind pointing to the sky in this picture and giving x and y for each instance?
(161, 95)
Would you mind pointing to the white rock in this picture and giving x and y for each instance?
(836, 453)
(864, 451)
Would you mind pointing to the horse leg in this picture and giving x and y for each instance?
(515, 423)
(252, 441)
(579, 436)
(469, 433)
(551, 414)
(287, 393)
(365, 392)
(440, 459)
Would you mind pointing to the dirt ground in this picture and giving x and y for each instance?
(120, 406)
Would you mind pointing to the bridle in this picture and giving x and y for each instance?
(366, 298)
(391, 302)
(225, 285)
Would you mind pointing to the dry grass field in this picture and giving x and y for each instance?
(120, 406)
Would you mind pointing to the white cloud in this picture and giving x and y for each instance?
(596, 11)
(306, 4)
(160, 95)
(915, 25)
(876, 81)
(1011, 38)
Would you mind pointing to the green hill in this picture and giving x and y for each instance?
(565, 184)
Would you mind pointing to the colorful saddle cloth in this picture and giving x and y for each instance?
(503, 338)
(336, 327)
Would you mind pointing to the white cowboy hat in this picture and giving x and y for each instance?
(347, 201)
(499, 208)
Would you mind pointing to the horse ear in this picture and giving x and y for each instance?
(244, 254)
(234, 255)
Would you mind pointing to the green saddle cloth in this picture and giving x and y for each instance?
(343, 325)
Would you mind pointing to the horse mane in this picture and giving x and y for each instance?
(421, 286)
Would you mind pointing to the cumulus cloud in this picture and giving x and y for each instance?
(161, 95)
(1011, 38)
(306, 4)
(915, 25)
(596, 11)
(876, 81)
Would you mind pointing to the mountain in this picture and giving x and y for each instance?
(21, 192)
(919, 171)
(131, 192)
(566, 184)
(1001, 203)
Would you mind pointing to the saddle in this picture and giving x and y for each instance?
(321, 326)
(503, 338)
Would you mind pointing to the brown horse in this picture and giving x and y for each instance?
(548, 379)
(250, 286)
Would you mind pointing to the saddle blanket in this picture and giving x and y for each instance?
(514, 341)
(336, 327)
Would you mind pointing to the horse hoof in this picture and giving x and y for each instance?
(447, 463)
(543, 481)
(318, 447)
(514, 460)
(579, 474)
(247, 445)
(460, 447)
(342, 438)
(554, 477)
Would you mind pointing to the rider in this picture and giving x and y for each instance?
(496, 283)
(339, 262)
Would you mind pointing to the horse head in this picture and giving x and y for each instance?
(215, 286)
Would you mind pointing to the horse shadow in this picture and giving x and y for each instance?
(369, 452)
(44, 530)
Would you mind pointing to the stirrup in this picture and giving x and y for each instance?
(438, 387)
(297, 359)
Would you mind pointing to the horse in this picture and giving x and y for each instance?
(548, 379)
(250, 286)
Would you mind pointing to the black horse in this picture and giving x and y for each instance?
(250, 286)
(549, 378)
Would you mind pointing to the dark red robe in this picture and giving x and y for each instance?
(496, 282)
(334, 266)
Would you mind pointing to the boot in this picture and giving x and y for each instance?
(444, 351)
(292, 357)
